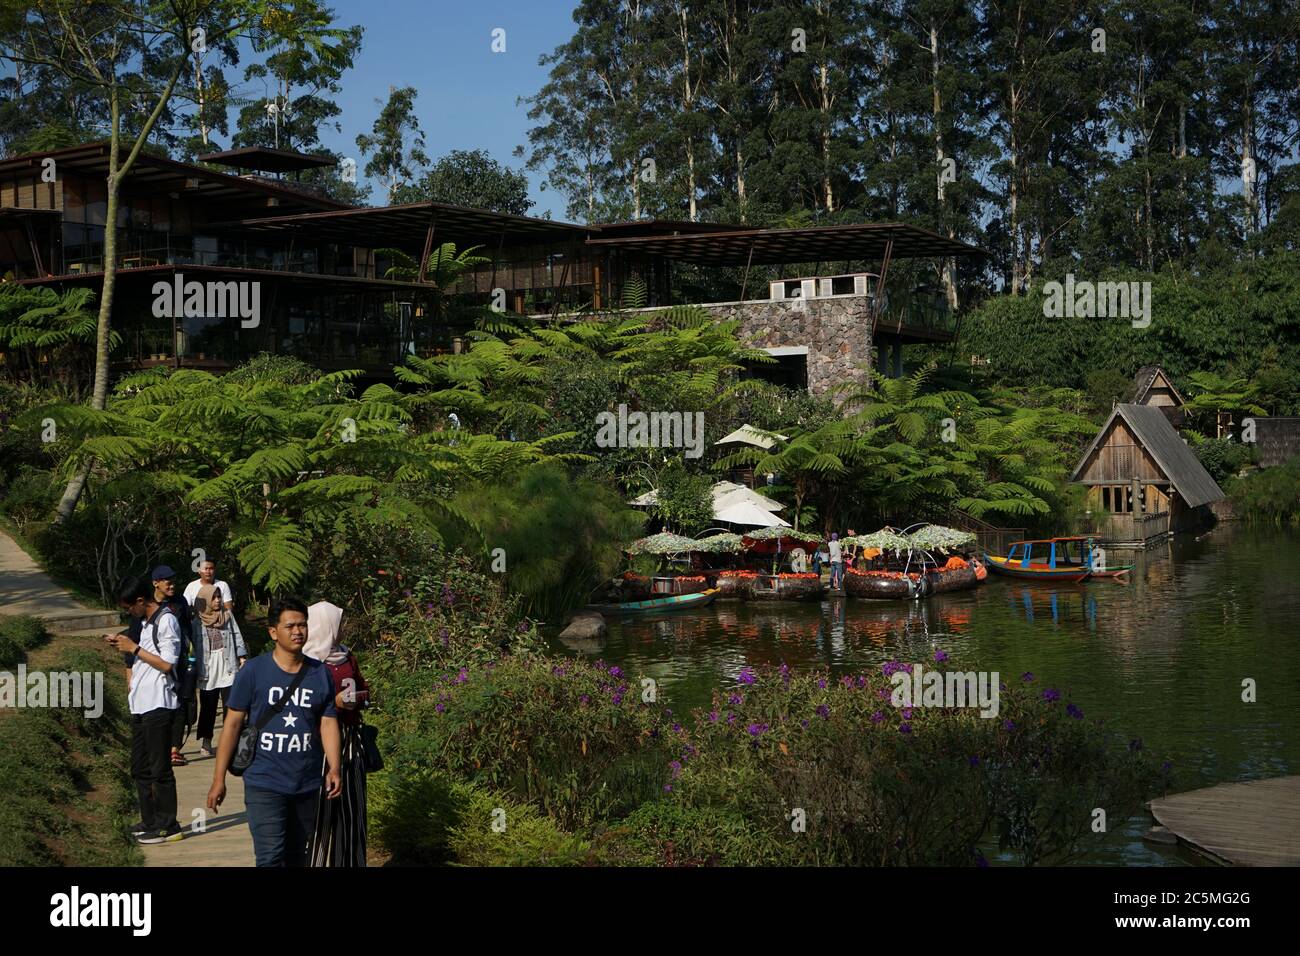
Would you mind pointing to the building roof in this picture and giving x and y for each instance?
(1146, 377)
(407, 225)
(267, 160)
(1163, 443)
(778, 246)
(169, 175)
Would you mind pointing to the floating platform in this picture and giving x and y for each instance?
(1256, 823)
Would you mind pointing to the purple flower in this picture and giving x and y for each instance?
(877, 717)
(940, 657)
(904, 728)
(803, 723)
(785, 673)
(907, 713)
(445, 636)
(1027, 677)
(731, 718)
(974, 761)
(713, 716)
(440, 708)
(823, 712)
(862, 682)
(1074, 712)
(676, 766)
(463, 676)
(617, 698)
(735, 700)
(677, 728)
(1051, 694)
(668, 787)
(615, 672)
(821, 684)
(756, 729)
(747, 676)
(557, 671)
(847, 681)
(1008, 725)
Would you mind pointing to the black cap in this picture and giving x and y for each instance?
(162, 573)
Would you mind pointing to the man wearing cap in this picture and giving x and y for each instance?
(164, 587)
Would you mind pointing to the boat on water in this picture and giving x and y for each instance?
(657, 605)
(900, 585)
(1067, 559)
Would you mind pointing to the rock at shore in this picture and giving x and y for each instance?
(585, 627)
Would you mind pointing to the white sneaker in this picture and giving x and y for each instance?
(206, 746)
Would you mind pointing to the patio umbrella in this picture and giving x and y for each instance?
(749, 435)
(727, 493)
(747, 513)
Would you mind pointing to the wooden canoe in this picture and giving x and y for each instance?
(669, 602)
(1069, 574)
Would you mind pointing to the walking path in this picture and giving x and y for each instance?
(26, 589)
(210, 840)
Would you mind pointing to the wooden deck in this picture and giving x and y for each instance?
(1242, 824)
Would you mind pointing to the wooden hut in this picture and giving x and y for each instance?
(1152, 386)
(1143, 480)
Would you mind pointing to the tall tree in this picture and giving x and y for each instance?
(394, 159)
(470, 178)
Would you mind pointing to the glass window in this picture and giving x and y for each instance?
(74, 199)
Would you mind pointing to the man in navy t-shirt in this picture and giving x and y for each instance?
(282, 783)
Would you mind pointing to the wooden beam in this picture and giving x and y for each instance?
(880, 288)
(744, 284)
(428, 246)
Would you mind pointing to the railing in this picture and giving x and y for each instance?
(182, 251)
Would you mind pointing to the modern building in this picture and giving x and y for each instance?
(820, 299)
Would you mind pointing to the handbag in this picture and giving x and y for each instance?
(247, 748)
(371, 759)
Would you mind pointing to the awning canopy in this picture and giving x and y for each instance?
(266, 160)
(749, 514)
(866, 241)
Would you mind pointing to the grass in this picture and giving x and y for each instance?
(67, 798)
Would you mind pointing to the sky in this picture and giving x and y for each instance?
(467, 93)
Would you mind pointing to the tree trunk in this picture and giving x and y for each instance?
(948, 272)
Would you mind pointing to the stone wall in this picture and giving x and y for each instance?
(836, 330)
(1277, 440)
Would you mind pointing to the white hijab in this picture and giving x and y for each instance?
(324, 622)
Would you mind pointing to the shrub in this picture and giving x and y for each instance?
(18, 635)
(429, 819)
(566, 736)
(1271, 495)
(1223, 457)
(670, 834)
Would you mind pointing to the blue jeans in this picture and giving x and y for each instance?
(281, 825)
(837, 573)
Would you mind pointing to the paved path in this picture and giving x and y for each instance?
(26, 589)
(220, 840)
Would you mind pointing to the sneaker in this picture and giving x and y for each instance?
(173, 834)
(138, 829)
(206, 746)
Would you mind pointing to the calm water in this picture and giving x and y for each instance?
(1161, 658)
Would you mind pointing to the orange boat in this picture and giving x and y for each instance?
(1068, 559)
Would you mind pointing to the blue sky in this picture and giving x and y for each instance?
(467, 93)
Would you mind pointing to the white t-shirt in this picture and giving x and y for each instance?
(150, 687)
(835, 552)
(192, 591)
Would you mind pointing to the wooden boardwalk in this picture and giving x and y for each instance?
(1256, 823)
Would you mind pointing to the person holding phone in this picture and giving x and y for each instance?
(290, 700)
(152, 701)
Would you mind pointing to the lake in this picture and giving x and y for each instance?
(1161, 658)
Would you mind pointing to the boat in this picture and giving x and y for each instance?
(657, 605)
(1066, 559)
(899, 586)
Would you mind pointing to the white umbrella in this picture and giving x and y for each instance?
(727, 493)
(750, 514)
(749, 435)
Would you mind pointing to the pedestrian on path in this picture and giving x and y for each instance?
(289, 700)
(164, 582)
(208, 575)
(222, 654)
(152, 701)
(339, 837)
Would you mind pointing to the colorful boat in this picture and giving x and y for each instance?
(1067, 559)
(658, 605)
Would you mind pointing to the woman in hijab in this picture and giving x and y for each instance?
(223, 654)
(340, 835)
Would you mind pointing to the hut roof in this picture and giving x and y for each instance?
(1146, 377)
(1178, 462)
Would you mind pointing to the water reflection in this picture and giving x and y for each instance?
(1161, 658)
